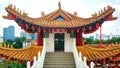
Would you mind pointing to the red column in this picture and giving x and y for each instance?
(40, 39)
(79, 41)
(100, 35)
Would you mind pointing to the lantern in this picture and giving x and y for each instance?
(97, 25)
(66, 30)
(72, 30)
(26, 25)
(6, 58)
(78, 30)
(114, 58)
(104, 61)
(39, 30)
(1, 56)
(96, 63)
(55, 30)
(20, 62)
(49, 31)
(60, 30)
(11, 59)
(83, 29)
(33, 27)
(90, 27)
(44, 30)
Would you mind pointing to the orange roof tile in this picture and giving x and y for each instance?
(93, 53)
(70, 20)
(21, 54)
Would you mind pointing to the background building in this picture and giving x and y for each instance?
(91, 37)
(106, 37)
(28, 36)
(9, 33)
(1, 39)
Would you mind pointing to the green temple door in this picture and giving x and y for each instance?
(59, 42)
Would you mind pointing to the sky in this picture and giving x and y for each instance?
(84, 8)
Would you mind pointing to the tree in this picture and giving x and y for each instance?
(88, 41)
(18, 42)
(96, 41)
(14, 64)
(8, 42)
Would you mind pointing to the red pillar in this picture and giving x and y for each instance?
(79, 41)
(40, 38)
(100, 35)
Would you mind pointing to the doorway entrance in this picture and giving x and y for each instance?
(59, 41)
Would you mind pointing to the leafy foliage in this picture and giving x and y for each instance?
(90, 41)
(17, 43)
(14, 64)
(8, 42)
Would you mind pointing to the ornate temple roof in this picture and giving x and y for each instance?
(96, 53)
(92, 53)
(67, 20)
(21, 54)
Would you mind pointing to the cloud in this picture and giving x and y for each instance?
(34, 8)
(117, 1)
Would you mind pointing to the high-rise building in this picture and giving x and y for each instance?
(28, 36)
(34, 36)
(1, 39)
(9, 33)
(97, 36)
(91, 37)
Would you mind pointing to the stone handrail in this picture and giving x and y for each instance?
(39, 63)
(78, 58)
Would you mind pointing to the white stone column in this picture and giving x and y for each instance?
(28, 64)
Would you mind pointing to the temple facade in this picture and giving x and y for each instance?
(59, 29)
(59, 41)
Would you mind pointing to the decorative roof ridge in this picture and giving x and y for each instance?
(104, 49)
(21, 54)
(21, 49)
(93, 54)
(24, 15)
(74, 21)
(103, 12)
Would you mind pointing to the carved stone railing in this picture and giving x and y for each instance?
(38, 63)
(78, 58)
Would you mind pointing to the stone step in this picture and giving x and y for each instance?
(59, 60)
(57, 53)
(58, 56)
(59, 67)
(63, 64)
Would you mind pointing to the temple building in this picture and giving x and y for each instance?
(59, 28)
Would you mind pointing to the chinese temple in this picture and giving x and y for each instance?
(59, 28)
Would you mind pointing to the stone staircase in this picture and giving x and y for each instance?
(59, 60)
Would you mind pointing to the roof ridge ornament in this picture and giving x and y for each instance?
(42, 14)
(59, 5)
(75, 13)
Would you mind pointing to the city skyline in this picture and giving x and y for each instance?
(9, 33)
(49, 6)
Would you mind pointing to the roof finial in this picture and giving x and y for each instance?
(59, 5)
(42, 14)
(75, 13)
